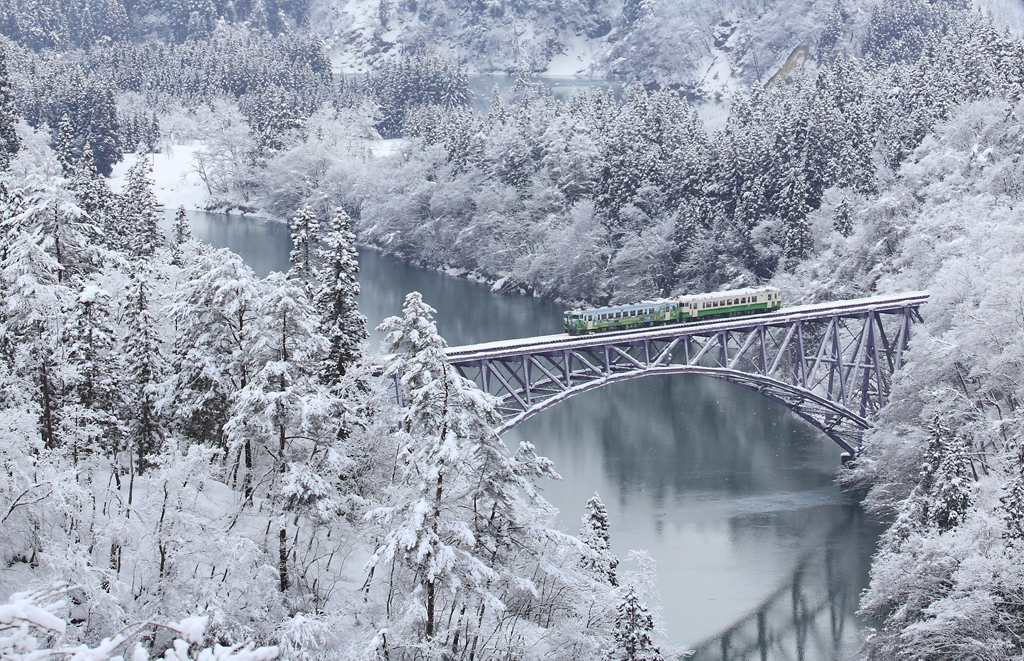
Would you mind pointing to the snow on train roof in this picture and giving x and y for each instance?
(749, 291)
(630, 306)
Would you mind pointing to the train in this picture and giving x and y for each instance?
(677, 310)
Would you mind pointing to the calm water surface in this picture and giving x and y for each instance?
(759, 556)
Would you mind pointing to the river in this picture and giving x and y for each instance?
(759, 555)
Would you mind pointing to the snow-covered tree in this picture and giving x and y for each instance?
(136, 212)
(634, 629)
(146, 372)
(216, 312)
(282, 412)
(458, 529)
(305, 232)
(9, 142)
(340, 321)
(594, 533)
(181, 231)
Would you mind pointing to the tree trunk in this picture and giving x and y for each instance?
(47, 413)
(282, 557)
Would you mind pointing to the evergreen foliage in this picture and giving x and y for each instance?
(305, 230)
(9, 142)
(413, 82)
(335, 300)
(594, 533)
(634, 629)
(139, 225)
(146, 371)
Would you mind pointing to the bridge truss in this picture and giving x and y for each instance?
(832, 363)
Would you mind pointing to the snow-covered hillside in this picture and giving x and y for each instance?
(705, 45)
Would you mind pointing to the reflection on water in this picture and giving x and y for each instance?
(759, 555)
(726, 489)
(808, 616)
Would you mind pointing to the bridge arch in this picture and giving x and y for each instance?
(839, 424)
(832, 364)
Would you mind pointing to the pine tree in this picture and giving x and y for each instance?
(94, 196)
(137, 211)
(634, 627)
(842, 218)
(304, 237)
(181, 232)
(91, 353)
(460, 528)
(798, 242)
(340, 321)
(278, 405)
(944, 491)
(832, 33)
(594, 533)
(215, 314)
(146, 369)
(953, 486)
(9, 142)
(65, 146)
(1012, 503)
(102, 129)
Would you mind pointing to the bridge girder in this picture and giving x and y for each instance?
(831, 364)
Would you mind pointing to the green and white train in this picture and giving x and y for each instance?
(679, 310)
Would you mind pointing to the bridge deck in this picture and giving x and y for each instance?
(562, 341)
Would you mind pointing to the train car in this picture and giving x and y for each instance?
(621, 317)
(683, 309)
(734, 303)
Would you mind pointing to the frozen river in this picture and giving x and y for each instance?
(759, 556)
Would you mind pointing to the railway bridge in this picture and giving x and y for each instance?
(830, 363)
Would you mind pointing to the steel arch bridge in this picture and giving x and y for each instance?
(832, 363)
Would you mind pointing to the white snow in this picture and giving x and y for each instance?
(192, 628)
(90, 292)
(579, 58)
(174, 182)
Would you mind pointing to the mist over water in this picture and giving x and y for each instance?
(758, 554)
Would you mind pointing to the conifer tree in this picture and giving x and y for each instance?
(594, 533)
(340, 321)
(1013, 504)
(102, 133)
(634, 629)
(181, 232)
(137, 211)
(798, 243)
(94, 195)
(91, 352)
(842, 218)
(9, 142)
(65, 146)
(460, 528)
(146, 369)
(277, 407)
(304, 237)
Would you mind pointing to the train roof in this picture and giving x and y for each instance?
(749, 291)
(629, 306)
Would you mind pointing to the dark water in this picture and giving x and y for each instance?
(759, 556)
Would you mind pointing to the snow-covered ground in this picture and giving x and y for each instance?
(580, 58)
(174, 182)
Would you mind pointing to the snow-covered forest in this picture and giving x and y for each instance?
(198, 457)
